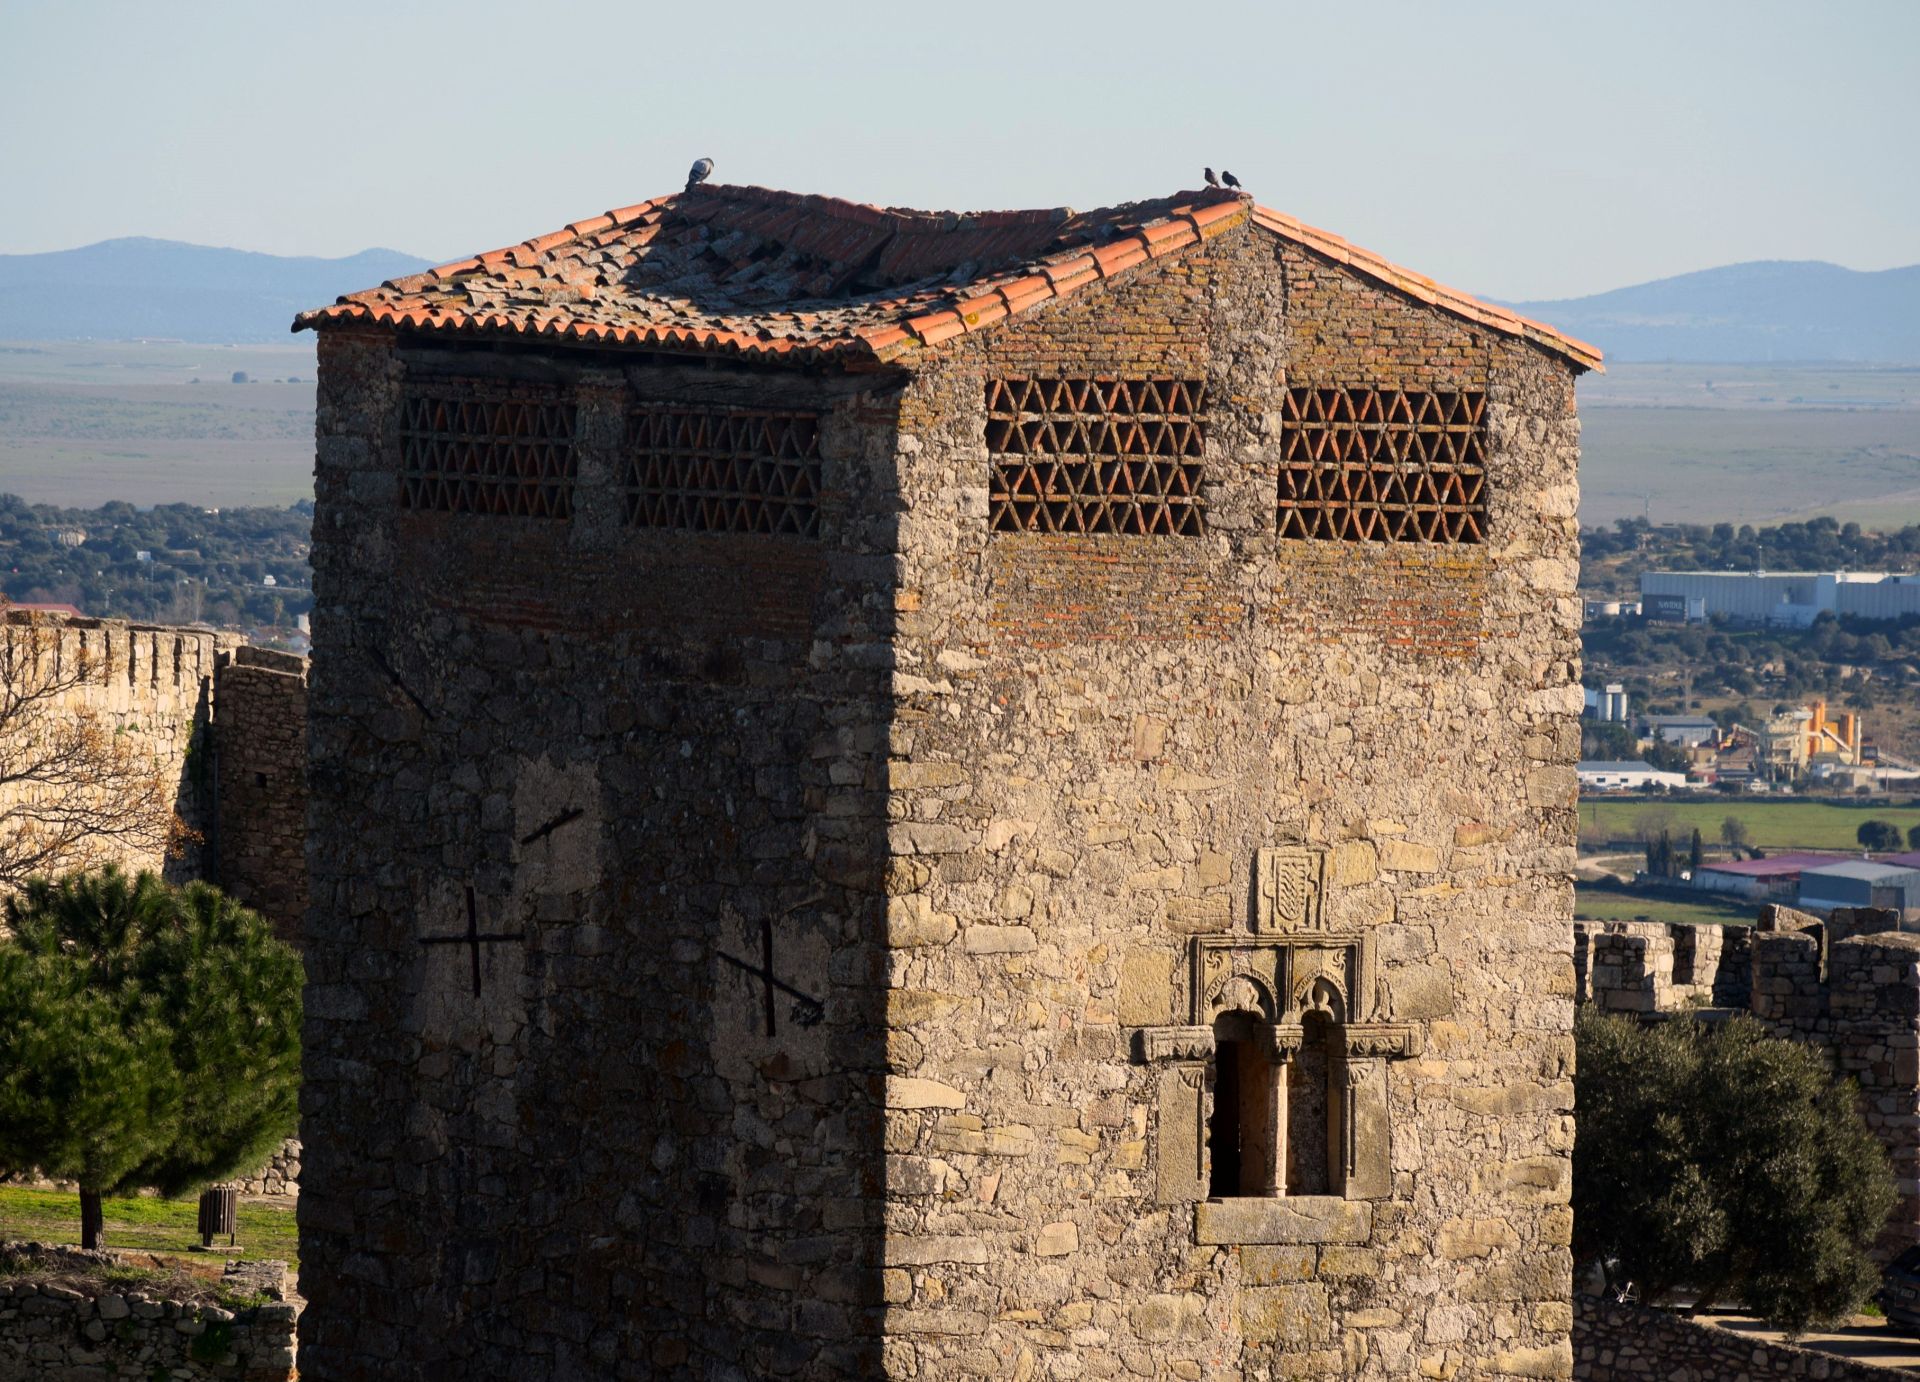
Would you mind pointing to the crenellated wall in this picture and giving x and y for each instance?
(1858, 997)
(224, 724)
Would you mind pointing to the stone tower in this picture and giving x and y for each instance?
(926, 795)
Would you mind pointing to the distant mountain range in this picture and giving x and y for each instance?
(1770, 310)
(1743, 313)
(124, 289)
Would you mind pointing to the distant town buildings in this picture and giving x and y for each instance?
(1798, 744)
(1790, 598)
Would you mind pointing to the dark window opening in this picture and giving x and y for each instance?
(1240, 1135)
(259, 779)
(1097, 456)
(1383, 465)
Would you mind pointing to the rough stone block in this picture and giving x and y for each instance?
(1294, 1219)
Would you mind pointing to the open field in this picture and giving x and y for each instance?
(1770, 824)
(1751, 444)
(1606, 904)
(266, 1230)
(85, 422)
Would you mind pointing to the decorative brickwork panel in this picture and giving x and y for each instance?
(1383, 465)
(1097, 456)
(475, 446)
(722, 470)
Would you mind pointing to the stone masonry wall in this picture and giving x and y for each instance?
(52, 1331)
(151, 684)
(1652, 967)
(1095, 739)
(644, 1140)
(260, 838)
(1623, 1343)
(1867, 1013)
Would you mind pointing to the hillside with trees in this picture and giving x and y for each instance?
(232, 568)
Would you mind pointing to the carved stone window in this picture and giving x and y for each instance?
(1276, 1088)
(1383, 465)
(723, 470)
(1097, 456)
(486, 446)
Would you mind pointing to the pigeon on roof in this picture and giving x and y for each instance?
(1212, 181)
(1230, 179)
(702, 170)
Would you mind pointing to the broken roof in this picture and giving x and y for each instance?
(787, 276)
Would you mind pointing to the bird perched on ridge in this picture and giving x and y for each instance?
(1212, 181)
(702, 170)
(1229, 179)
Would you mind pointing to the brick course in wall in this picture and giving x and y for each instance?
(849, 902)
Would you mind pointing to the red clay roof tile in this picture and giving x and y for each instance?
(788, 276)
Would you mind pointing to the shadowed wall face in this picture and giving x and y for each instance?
(599, 751)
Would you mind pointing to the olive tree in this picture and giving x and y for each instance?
(149, 1036)
(1717, 1161)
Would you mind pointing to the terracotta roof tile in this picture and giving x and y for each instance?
(788, 276)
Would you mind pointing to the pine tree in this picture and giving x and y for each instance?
(149, 1036)
(1696, 853)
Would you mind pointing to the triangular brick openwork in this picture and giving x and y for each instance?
(1117, 456)
(476, 446)
(1394, 465)
(718, 470)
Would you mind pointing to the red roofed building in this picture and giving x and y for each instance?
(899, 793)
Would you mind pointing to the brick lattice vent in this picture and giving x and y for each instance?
(476, 446)
(710, 470)
(1383, 465)
(1097, 456)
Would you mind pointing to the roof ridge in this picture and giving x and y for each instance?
(1419, 286)
(526, 289)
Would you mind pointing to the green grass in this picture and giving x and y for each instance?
(1770, 824)
(1606, 904)
(145, 1224)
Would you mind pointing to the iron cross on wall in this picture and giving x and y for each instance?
(473, 937)
(807, 1010)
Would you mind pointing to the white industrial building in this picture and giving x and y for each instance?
(1636, 776)
(1792, 598)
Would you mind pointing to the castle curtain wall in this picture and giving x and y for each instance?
(1099, 735)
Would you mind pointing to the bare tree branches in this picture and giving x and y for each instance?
(76, 789)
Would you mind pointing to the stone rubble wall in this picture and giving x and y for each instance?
(260, 753)
(1095, 738)
(52, 1332)
(279, 1177)
(152, 684)
(1626, 1343)
(1656, 967)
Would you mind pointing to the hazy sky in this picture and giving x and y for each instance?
(1520, 148)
